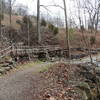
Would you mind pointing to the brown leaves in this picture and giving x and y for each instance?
(58, 83)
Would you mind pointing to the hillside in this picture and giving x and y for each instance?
(19, 31)
(76, 37)
(14, 19)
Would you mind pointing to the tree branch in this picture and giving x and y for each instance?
(53, 6)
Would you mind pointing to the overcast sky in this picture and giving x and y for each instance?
(54, 10)
(72, 12)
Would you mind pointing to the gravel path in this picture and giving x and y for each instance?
(14, 85)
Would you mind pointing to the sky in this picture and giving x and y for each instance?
(54, 11)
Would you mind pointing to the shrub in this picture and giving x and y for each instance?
(82, 28)
(71, 34)
(16, 14)
(43, 22)
(51, 26)
(27, 20)
(18, 22)
(92, 40)
(56, 30)
(1, 16)
(71, 30)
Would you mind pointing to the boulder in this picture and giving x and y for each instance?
(97, 70)
(11, 66)
(86, 91)
(85, 67)
(4, 65)
(89, 76)
(88, 72)
(2, 71)
(7, 68)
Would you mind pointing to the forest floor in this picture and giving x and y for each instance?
(39, 83)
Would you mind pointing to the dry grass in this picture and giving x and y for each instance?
(28, 65)
(77, 38)
(14, 19)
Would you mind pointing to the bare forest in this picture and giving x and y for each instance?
(49, 49)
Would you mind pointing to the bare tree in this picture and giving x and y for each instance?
(67, 33)
(38, 21)
(10, 10)
(28, 27)
(20, 9)
(93, 8)
(11, 3)
(87, 44)
(1, 17)
(66, 23)
(79, 12)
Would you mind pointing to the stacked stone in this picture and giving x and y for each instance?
(6, 66)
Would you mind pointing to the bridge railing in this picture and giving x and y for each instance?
(36, 48)
(5, 51)
(27, 49)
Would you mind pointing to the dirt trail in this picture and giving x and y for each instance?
(14, 85)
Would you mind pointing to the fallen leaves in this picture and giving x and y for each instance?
(59, 87)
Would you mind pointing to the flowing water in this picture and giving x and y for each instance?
(95, 58)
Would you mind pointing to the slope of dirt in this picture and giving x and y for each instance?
(14, 19)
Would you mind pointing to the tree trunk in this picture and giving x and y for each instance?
(28, 27)
(10, 11)
(0, 26)
(67, 33)
(38, 21)
(0, 20)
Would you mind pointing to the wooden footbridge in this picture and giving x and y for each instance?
(37, 52)
(21, 54)
(34, 52)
